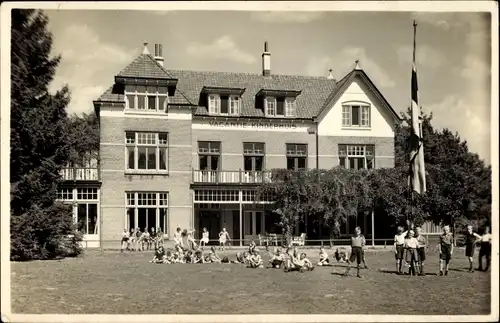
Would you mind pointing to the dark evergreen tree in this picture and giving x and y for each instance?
(39, 142)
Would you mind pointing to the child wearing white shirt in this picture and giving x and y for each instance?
(411, 246)
(324, 259)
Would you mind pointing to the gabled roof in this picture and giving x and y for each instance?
(316, 93)
(344, 83)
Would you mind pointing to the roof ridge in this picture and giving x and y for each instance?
(168, 74)
(253, 74)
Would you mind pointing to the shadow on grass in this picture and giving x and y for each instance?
(394, 272)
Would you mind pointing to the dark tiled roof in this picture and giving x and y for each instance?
(316, 92)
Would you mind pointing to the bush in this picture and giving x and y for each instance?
(44, 233)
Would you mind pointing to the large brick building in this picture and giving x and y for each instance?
(187, 149)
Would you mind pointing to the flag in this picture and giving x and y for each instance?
(417, 165)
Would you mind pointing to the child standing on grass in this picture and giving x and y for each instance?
(485, 251)
(177, 236)
(399, 242)
(223, 238)
(125, 237)
(471, 238)
(324, 259)
(357, 244)
(445, 250)
(131, 240)
(204, 238)
(411, 246)
(422, 245)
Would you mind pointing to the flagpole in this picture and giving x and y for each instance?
(412, 201)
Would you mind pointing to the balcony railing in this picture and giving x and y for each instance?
(80, 174)
(231, 177)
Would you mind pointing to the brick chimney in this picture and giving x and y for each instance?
(159, 54)
(266, 61)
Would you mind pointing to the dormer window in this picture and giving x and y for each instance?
(146, 101)
(224, 104)
(279, 107)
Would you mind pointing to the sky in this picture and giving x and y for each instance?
(453, 53)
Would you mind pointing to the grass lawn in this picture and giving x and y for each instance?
(114, 283)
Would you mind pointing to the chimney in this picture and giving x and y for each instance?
(266, 61)
(330, 76)
(159, 54)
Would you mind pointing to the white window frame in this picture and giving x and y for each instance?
(146, 101)
(158, 145)
(214, 104)
(364, 108)
(357, 151)
(267, 100)
(234, 103)
(161, 202)
(88, 198)
(290, 107)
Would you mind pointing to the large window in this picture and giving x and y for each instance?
(357, 156)
(280, 106)
(253, 156)
(224, 104)
(147, 150)
(146, 210)
(355, 115)
(296, 156)
(85, 212)
(209, 155)
(146, 101)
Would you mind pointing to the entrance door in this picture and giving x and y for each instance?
(211, 221)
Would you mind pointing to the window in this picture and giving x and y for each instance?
(280, 106)
(357, 156)
(290, 107)
(296, 156)
(147, 210)
(86, 214)
(356, 116)
(65, 194)
(147, 150)
(86, 193)
(146, 101)
(224, 104)
(253, 156)
(209, 155)
(270, 106)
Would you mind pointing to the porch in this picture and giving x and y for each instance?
(230, 177)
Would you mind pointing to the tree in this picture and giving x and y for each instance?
(39, 141)
(83, 147)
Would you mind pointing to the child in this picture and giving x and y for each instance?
(251, 247)
(204, 239)
(131, 240)
(188, 257)
(341, 256)
(485, 250)
(169, 257)
(399, 242)
(159, 238)
(177, 258)
(159, 256)
(152, 238)
(357, 244)
(300, 264)
(125, 237)
(223, 237)
(145, 237)
(225, 260)
(213, 257)
(256, 260)
(177, 236)
(411, 245)
(470, 244)
(445, 250)
(422, 244)
(239, 259)
(277, 259)
(137, 239)
(324, 259)
(198, 257)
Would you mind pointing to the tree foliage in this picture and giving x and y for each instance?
(39, 141)
(83, 137)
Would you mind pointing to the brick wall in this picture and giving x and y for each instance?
(116, 181)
